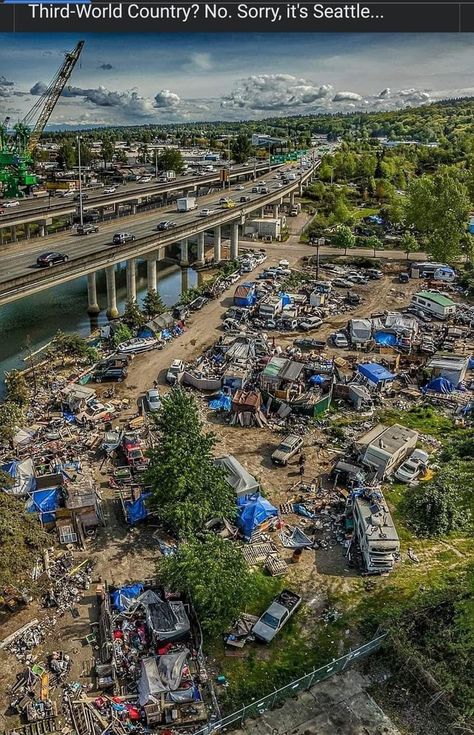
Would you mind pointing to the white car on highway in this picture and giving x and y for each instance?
(240, 187)
(206, 212)
(14, 203)
(68, 193)
(110, 190)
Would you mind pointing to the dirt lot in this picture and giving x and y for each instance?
(123, 555)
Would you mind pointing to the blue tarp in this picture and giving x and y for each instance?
(69, 417)
(386, 338)
(136, 510)
(11, 468)
(145, 332)
(45, 502)
(439, 385)
(285, 298)
(302, 510)
(222, 403)
(374, 219)
(470, 364)
(122, 597)
(255, 513)
(317, 379)
(374, 372)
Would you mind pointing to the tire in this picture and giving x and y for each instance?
(119, 380)
(98, 380)
(50, 264)
(65, 259)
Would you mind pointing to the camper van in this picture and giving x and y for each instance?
(435, 304)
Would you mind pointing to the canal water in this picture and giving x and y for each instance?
(33, 321)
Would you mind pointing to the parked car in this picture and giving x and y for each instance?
(47, 260)
(165, 225)
(111, 373)
(115, 361)
(419, 313)
(287, 449)
(276, 615)
(403, 277)
(176, 367)
(412, 467)
(342, 283)
(145, 179)
(86, 229)
(339, 339)
(311, 322)
(255, 189)
(121, 237)
(374, 274)
(153, 400)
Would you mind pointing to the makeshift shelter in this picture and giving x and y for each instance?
(253, 514)
(245, 295)
(45, 503)
(387, 339)
(161, 674)
(23, 438)
(439, 385)
(360, 332)
(136, 510)
(241, 481)
(24, 475)
(123, 597)
(376, 375)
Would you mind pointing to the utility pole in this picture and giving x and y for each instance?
(156, 163)
(81, 211)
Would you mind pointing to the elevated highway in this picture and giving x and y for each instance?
(20, 277)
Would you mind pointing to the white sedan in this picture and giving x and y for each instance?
(14, 203)
(411, 467)
(240, 187)
(110, 190)
(206, 212)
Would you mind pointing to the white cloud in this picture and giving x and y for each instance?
(274, 92)
(350, 96)
(167, 100)
(201, 60)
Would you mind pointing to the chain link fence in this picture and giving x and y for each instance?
(298, 685)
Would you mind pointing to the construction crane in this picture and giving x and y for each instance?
(17, 146)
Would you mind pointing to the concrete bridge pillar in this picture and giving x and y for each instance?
(184, 279)
(112, 311)
(27, 231)
(292, 198)
(92, 302)
(184, 254)
(151, 274)
(217, 243)
(131, 279)
(262, 212)
(200, 247)
(234, 240)
(116, 209)
(1, 236)
(276, 210)
(134, 208)
(42, 229)
(300, 189)
(13, 231)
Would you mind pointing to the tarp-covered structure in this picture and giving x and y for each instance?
(245, 295)
(375, 373)
(123, 597)
(253, 514)
(388, 339)
(23, 473)
(241, 481)
(439, 385)
(161, 675)
(167, 620)
(45, 503)
(136, 510)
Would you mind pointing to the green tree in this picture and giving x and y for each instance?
(241, 148)
(21, 539)
(107, 151)
(170, 160)
(437, 508)
(67, 155)
(409, 244)
(188, 489)
(374, 243)
(215, 576)
(72, 345)
(17, 387)
(11, 418)
(121, 334)
(153, 303)
(344, 238)
(438, 206)
(132, 316)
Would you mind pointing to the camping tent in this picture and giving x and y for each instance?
(45, 503)
(24, 475)
(253, 514)
(242, 482)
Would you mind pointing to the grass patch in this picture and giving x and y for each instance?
(359, 214)
(420, 418)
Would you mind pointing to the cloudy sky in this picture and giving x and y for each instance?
(153, 78)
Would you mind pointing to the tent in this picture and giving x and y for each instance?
(24, 475)
(161, 674)
(45, 503)
(374, 372)
(317, 379)
(285, 298)
(253, 514)
(136, 510)
(222, 403)
(241, 481)
(439, 385)
(123, 597)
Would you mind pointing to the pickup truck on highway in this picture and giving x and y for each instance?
(276, 615)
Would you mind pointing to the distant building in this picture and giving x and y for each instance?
(261, 140)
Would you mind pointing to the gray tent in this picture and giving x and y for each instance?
(160, 674)
(241, 481)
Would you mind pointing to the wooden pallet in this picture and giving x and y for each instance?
(40, 727)
(257, 553)
(275, 566)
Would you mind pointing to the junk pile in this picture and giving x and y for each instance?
(155, 669)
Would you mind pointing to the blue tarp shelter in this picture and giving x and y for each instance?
(45, 503)
(136, 510)
(245, 295)
(253, 514)
(374, 372)
(285, 298)
(439, 385)
(24, 475)
(470, 364)
(222, 403)
(317, 379)
(124, 596)
(386, 338)
(146, 331)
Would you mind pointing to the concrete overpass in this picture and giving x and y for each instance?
(43, 211)
(18, 279)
